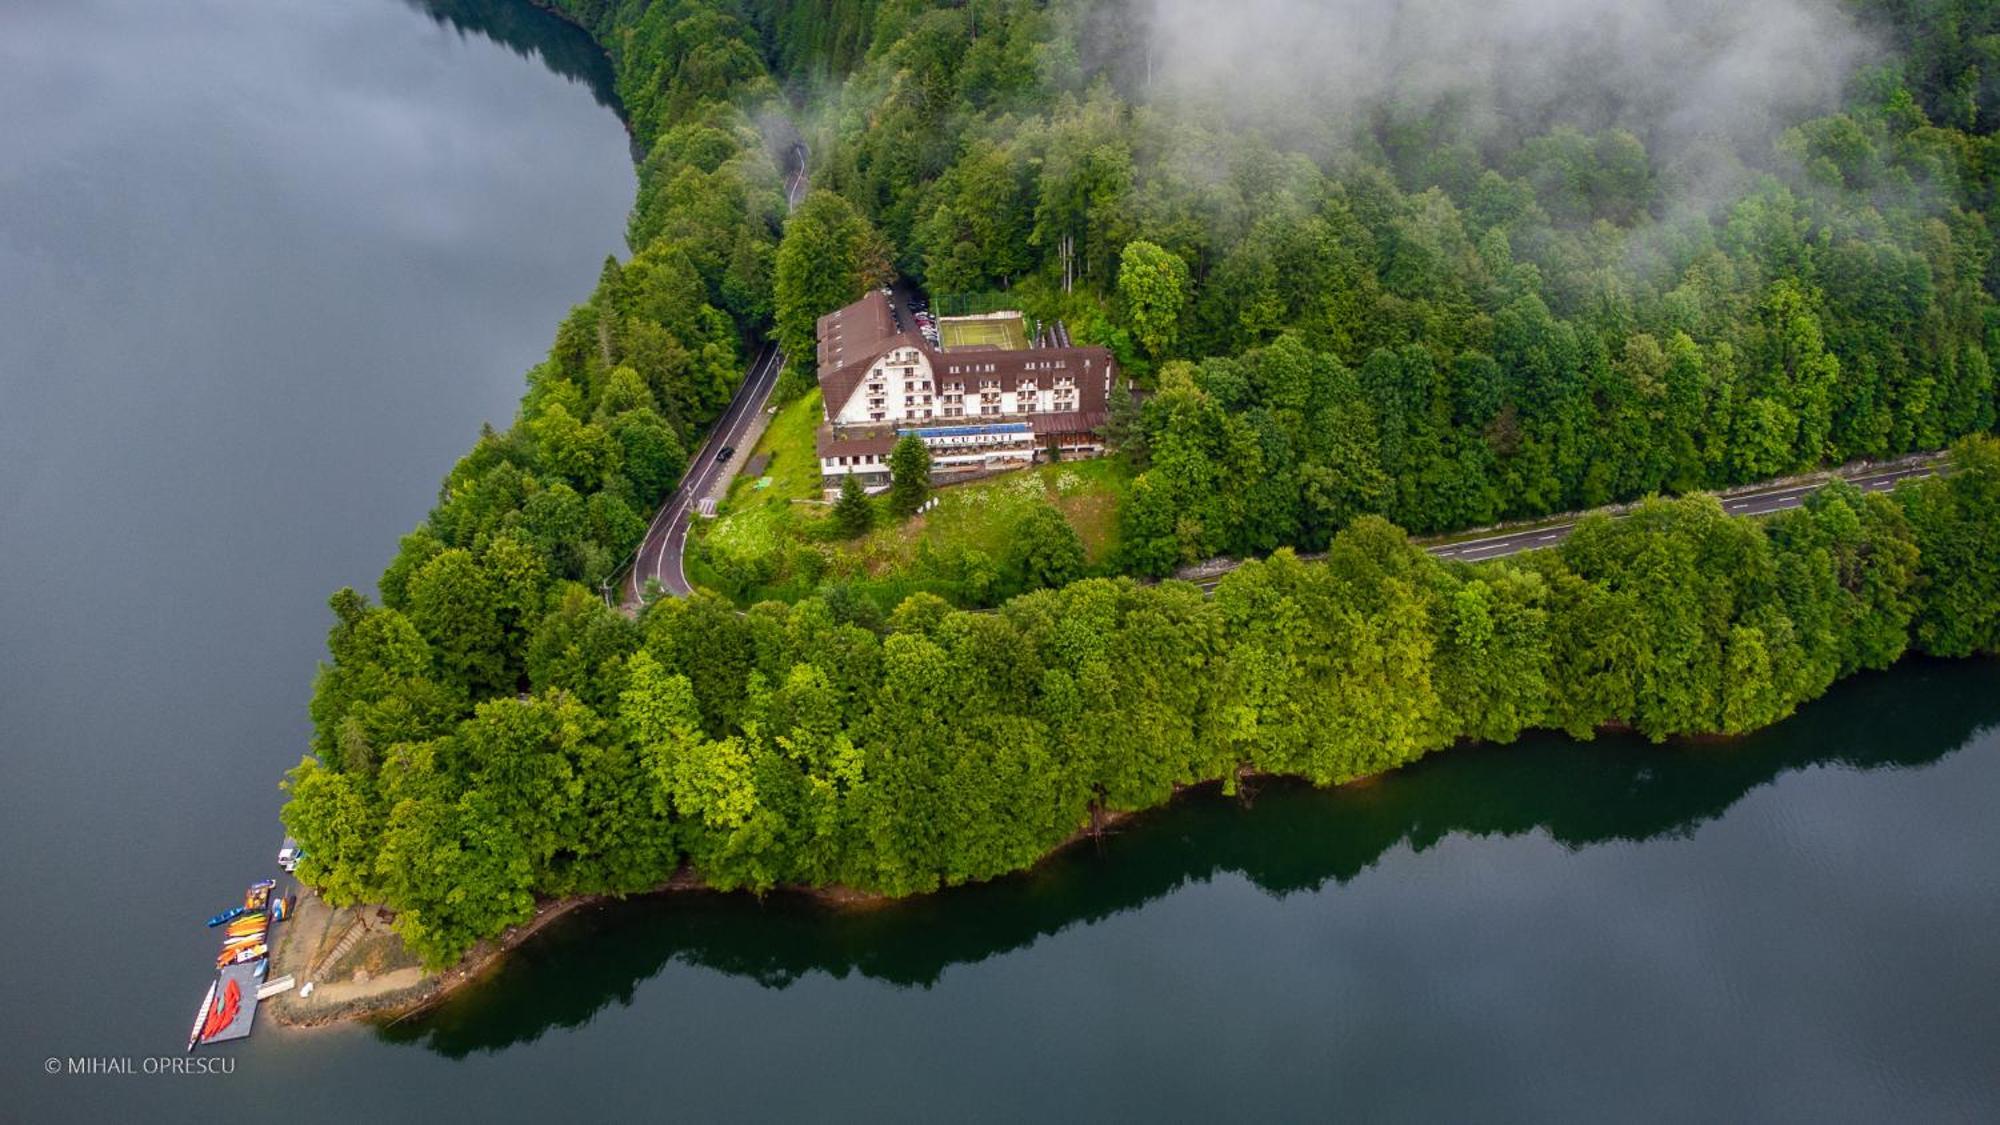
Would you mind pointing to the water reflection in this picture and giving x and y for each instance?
(532, 33)
(1283, 837)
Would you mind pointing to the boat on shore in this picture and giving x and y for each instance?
(228, 915)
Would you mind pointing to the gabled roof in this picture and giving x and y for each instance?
(853, 338)
(837, 385)
(857, 332)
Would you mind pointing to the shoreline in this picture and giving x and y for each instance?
(396, 1003)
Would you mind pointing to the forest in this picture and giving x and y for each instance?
(1350, 308)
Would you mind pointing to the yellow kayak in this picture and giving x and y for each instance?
(239, 955)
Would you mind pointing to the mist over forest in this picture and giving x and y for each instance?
(1668, 70)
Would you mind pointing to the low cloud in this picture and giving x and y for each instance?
(1674, 72)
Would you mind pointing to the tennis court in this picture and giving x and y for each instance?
(1009, 332)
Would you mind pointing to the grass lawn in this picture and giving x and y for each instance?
(794, 468)
(1010, 333)
(755, 521)
(775, 544)
(982, 517)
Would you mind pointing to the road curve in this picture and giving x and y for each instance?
(659, 555)
(658, 558)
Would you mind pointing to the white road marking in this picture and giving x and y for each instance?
(695, 479)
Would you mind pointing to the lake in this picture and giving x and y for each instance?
(267, 265)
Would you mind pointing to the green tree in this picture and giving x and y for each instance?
(853, 515)
(1045, 551)
(1153, 283)
(455, 872)
(830, 254)
(653, 456)
(338, 821)
(1957, 522)
(454, 604)
(909, 476)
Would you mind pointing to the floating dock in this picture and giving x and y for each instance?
(245, 976)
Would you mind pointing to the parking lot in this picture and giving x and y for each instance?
(911, 311)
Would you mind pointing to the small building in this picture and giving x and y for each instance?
(977, 409)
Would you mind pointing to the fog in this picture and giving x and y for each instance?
(1674, 72)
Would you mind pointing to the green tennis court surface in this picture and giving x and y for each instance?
(1007, 332)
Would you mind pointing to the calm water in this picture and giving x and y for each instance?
(264, 267)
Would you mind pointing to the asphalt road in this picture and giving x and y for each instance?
(1758, 503)
(659, 556)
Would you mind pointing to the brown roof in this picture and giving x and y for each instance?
(857, 332)
(830, 446)
(837, 384)
(1069, 422)
(853, 338)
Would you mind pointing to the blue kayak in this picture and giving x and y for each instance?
(226, 915)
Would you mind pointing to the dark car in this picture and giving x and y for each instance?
(724, 454)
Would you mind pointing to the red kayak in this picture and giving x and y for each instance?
(224, 1012)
